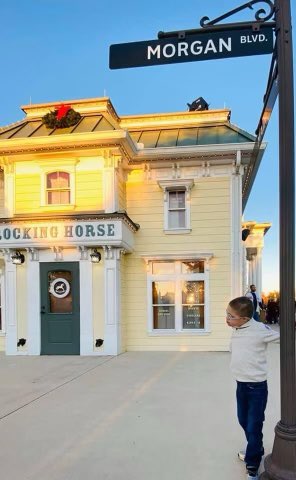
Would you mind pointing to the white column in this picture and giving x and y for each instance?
(236, 241)
(252, 271)
(86, 305)
(10, 305)
(259, 271)
(112, 337)
(33, 303)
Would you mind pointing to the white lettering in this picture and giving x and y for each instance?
(167, 47)
(156, 51)
(243, 39)
(261, 37)
(182, 48)
(196, 48)
(210, 46)
(224, 44)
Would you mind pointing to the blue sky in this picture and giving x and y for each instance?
(56, 50)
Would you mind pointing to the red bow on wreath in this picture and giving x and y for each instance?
(62, 111)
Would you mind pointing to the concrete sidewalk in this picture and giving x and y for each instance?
(148, 416)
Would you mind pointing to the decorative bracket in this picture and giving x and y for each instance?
(261, 15)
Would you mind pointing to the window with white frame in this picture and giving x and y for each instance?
(177, 296)
(176, 205)
(58, 190)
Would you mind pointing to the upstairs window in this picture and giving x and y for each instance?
(176, 209)
(176, 205)
(58, 188)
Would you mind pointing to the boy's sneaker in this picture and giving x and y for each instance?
(241, 455)
(252, 474)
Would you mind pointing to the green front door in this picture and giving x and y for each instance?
(60, 319)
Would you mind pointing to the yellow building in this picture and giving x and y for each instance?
(120, 232)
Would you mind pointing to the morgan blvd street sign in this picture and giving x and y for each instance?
(201, 46)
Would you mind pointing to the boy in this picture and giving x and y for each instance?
(249, 365)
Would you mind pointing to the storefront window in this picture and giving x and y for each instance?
(178, 296)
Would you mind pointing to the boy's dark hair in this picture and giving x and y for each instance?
(243, 306)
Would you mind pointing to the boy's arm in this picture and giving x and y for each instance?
(270, 335)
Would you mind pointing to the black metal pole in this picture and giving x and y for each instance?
(281, 464)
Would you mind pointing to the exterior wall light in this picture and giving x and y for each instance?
(95, 256)
(17, 258)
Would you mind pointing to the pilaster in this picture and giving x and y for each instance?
(112, 337)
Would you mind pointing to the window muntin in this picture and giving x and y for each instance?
(58, 188)
(178, 296)
(176, 209)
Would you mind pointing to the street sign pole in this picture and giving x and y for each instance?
(281, 464)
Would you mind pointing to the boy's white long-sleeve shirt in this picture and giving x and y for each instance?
(248, 351)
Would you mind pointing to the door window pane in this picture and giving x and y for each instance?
(60, 292)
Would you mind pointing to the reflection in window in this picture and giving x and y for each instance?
(193, 267)
(58, 188)
(177, 209)
(167, 138)
(193, 304)
(187, 136)
(163, 298)
(149, 138)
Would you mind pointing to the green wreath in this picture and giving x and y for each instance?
(68, 120)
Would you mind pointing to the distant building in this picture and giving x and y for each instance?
(120, 232)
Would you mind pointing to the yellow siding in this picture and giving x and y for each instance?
(88, 181)
(211, 232)
(27, 193)
(89, 191)
(121, 194)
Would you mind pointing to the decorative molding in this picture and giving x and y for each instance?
(34, 254)
(58, 253)
(148, 257)
(83, 250)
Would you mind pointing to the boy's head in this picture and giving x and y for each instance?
(239, 311)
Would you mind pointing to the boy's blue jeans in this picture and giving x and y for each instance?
(251, 403)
